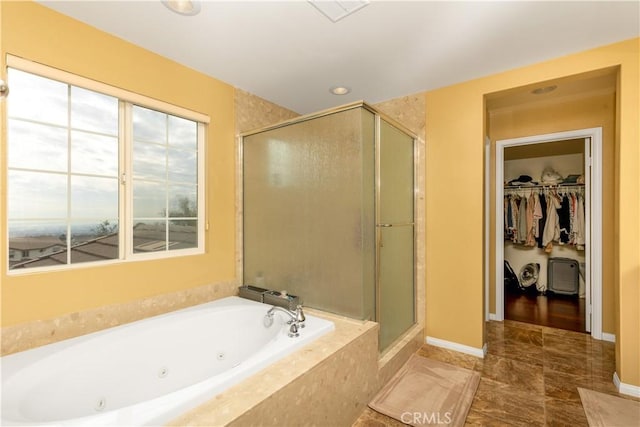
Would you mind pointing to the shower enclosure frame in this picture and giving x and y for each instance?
(378, 118)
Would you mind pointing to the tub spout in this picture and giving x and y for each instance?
(296, 318)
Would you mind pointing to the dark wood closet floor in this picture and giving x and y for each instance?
(553, 310)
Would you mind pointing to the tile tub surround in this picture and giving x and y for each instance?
(329, 382)
(29, 335)
(275, 396)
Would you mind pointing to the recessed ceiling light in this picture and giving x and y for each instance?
(183, 7)
(542, 90)
(339, 90)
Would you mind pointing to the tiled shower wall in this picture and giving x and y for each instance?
(253, 112)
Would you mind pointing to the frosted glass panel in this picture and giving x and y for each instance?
(309, 211)
(396, 283)
(396, 234)
(396, 175)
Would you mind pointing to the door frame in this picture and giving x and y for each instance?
(593, 217)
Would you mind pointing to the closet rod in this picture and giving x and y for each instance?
(546, 187)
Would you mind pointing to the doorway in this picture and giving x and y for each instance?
(591, 273)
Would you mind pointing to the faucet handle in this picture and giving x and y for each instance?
(300, 317)
(293, 330)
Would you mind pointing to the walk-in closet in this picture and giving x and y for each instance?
(545, 234)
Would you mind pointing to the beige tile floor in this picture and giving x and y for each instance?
(530, 376)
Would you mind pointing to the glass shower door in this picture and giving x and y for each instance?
(395, 234)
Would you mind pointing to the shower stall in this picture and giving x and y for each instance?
(328, 214)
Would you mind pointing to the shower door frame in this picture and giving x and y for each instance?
(378, 232)
(377, 117)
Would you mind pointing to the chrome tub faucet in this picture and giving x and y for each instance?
(296, 319)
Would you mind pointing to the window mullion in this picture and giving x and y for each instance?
(69, 159)
(203, 219)
(166, 184)
(125, 144)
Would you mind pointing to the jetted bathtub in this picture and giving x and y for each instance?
(147, 372)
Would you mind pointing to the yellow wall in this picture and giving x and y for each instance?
(454, 215)
(589, 111)
(455, 136)
(37, 33)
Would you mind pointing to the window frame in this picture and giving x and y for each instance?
(126, 101)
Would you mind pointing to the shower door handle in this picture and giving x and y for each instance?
(388, 225)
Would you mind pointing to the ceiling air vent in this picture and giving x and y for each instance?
(336, 10)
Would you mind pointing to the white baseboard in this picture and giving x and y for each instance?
(449, 345)
(608, 337)
(492, 316)
(628, 389)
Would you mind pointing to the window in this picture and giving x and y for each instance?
(165, 181)
(93, 177)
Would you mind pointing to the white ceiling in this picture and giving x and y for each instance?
(291, 54)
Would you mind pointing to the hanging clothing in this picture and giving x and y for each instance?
(544, 216)
(515, 218)
(531, 220)
(551, 228)
(564, 220)
(508, 218)
(543, 220)
(522, 223)
(580, 225)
